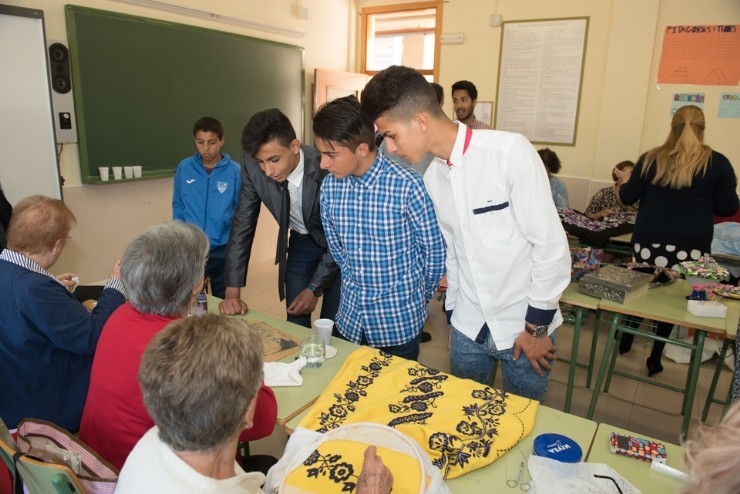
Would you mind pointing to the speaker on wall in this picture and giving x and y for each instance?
(62, 97)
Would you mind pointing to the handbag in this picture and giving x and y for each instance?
(47, 442)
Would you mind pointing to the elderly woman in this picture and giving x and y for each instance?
(47, 337)
(162, 270)
(606, 201)
(201, 405)
(711, 457)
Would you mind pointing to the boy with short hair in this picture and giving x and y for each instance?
(382, 231)
(206, 193)
(284, 175)
(507, 255)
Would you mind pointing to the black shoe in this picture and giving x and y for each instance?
(654, 366)
(425, 336)
(624, 346)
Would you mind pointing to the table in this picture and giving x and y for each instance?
(666, 304)
(493, 477)
(292, 400)
(637, 472)
(581, 302)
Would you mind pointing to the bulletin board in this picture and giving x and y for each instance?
(539, 78)
(141, 83)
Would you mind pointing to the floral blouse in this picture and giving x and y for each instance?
(607, 199)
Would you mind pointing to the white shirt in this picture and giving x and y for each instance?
(295, 187)
(153, 467)
(507, 253)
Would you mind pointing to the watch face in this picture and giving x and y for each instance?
(540, 331)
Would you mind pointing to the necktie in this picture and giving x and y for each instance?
(281, 255)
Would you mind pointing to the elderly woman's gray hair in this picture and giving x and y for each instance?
(198, 377)
(162, 266)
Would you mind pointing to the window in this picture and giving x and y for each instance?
(407, 34)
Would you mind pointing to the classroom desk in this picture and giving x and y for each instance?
(637, 472)
(581, 302)
(493, 477)
(292, 400)
(666, 304)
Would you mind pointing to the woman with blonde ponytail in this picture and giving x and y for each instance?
(681, 185)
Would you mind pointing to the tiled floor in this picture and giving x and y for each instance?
(641, 408)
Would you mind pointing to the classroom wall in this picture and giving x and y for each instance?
(109, 216)
(623, 112)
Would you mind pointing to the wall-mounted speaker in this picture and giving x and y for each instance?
(62, 98)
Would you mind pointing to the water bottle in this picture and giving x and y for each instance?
(201, 304)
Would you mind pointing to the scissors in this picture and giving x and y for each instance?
(524, 486)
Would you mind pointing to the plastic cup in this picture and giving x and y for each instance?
(312, 348)
(137, 171)
(104, 172)
(128, 171)
(323, 328)
(117, 172)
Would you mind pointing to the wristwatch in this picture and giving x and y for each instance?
(536, 331)
(317, 290)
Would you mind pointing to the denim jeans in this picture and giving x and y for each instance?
(304, 256)
(471, 360)
(216, 270)
(408, 350)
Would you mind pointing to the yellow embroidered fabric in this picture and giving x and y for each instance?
(461, 424)
(336, 465)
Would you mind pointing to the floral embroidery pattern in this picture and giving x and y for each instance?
(573, 217)
(338, 471)
(477, 433)
(426, 381)
(354, 391)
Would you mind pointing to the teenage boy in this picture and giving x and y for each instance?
(507, 255)
(280, 172)
(382, 231)
(206, 193)
(464, 98)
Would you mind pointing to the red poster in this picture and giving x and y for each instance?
(704, 55)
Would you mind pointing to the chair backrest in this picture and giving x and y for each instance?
(8, 447)
(48, 478)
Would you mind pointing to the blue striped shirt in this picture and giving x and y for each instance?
(382, 231)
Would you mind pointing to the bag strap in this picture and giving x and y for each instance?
(17, 481)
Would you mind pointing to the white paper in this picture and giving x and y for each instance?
(566, 478)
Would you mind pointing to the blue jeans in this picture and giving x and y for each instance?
(304, 256)
(471, 360)
(216, 270)
(408, 350)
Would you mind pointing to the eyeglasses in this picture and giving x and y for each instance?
(612, 479)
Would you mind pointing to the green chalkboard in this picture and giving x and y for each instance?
(140, 84)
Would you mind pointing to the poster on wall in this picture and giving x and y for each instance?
(684, 99)
(539, 79)
(706, 55)
(729, 105)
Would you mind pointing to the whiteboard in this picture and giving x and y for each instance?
(28, 160)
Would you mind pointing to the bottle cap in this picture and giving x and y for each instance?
(557, 447)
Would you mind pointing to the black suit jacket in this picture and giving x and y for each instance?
(256, 189)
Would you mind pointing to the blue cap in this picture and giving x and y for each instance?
(557, 447)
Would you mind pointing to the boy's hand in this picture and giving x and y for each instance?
(539, 351)
(232, 304)
(303, 304)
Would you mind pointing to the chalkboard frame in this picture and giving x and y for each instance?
(203, 72)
